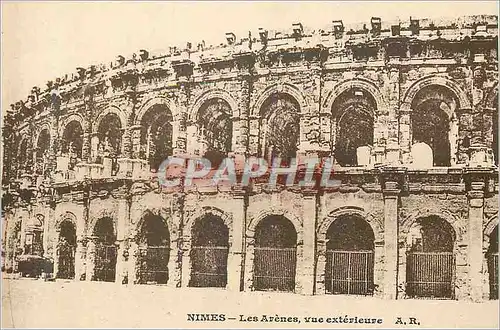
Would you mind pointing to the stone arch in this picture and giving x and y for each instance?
(40, 131)
(375, 224)
(444, 215)
(199, 265)
(412, 91)
(158, 100)
(42, 127)
(73, 117)
(25, 138)
(209, 210)
(257, 218)
(252, 260)
(66, 216)
(212, 94)
(110, 109)
(163, 213)
(357, 83)
(103, 213)
(492, 97)
(491, 223)
(280, 88)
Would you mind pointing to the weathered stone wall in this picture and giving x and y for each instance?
(389, 196)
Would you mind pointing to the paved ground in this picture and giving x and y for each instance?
(61, 304)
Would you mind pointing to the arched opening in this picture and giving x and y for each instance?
(42, 151)
(279, 128)
(349, 256)
(105, 250)
(66, 248)
(215, 130)
(275, 257)
(109, 136)
(72, 142)
(154, 251)
(434, 123)
(23, 160)
(430, 261)
(352, 124)
(209, 252)
(156, 135)
(492, 257)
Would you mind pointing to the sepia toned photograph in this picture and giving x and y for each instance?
(227, 165)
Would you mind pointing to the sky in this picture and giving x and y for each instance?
(45, 40)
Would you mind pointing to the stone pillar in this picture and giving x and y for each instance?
(185, 264)
(90, 262)
(80, 259)
(254, 135)
(122, 253)
(176, 262)
(133, 253)
(307, 275)
(136, 141)
(391, 195)
(405, 138)
(180, 141)
(54, 141)
(241, 137)
(121, 262)
(464, 134)
(249, 259)
(49, 213)
(87, 147)
(235, 261)
(56, 259)
(475, 231)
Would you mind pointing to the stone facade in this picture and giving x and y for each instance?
(82, 149)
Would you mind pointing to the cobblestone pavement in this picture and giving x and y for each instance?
(64, 304)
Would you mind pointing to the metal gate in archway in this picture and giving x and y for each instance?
(209, 252)
(274, 268)
(105, 263)
(275, 255)
(349, 272)
(153, 264)
(430, 275)
(209, 266)
(66, 261)
(493, 274)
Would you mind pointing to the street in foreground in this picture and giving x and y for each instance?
(66, 304)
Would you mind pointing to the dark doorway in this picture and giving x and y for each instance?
(349, 257)
(66, 250)
(275, 257)
(209, 252)
(105, 254)
(430, 264)
(154, 251)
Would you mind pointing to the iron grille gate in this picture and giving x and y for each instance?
(66, 266)
(105, 263)
(349, 272)
(209, 266)
(274, 269)
(430, 275)
(493, 274)
(153, 264)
